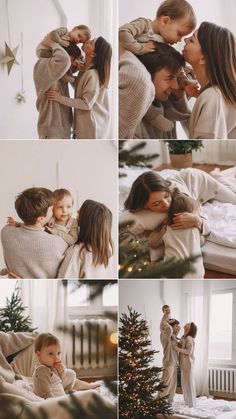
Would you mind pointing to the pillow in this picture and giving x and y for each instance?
(143, 220)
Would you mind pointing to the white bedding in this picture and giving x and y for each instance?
(219, 251)
(206, 408)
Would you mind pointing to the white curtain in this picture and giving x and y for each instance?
(46, 302)
(216, 152)
(196, 308)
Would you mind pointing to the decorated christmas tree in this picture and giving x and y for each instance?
(130, 155)
(12, 318)
(139, 379)
(134, 259)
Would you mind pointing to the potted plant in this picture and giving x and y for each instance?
(181, 152)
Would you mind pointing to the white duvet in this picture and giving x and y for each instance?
(206, 408)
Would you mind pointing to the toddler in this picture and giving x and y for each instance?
(51, 378)
(166, 316)
(79, 34)
(174, 20)
(61, 224)
(180, 243)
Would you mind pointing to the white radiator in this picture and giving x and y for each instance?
(222, 380)
(91, 346)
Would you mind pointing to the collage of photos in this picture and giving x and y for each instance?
(118, 209)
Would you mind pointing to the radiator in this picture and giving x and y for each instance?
(222, 380)
(91, 346)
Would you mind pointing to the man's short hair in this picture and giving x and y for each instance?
(173, 322)
(165, 56)
(73, 50)
(33, 203)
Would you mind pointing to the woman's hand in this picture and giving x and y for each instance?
(53, 95)
(186, 220)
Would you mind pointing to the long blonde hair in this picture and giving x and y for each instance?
(95, 221)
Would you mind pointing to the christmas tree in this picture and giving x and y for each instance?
(139, 379)
(134, 259)
(129, 155)
(12, 317)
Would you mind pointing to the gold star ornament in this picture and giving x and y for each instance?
(10, 57)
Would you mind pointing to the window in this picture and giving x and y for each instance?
(221, 330)
(80, 302)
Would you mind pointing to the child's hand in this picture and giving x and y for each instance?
(192, 90)
(53, 95)
(64, 42)
(149, 46)
(11, 221)
(48, 229)
(59, 366)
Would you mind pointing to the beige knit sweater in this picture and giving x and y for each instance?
(91, 115)
(55, 120)
(136, 94)
(30, 252)
(212, 117)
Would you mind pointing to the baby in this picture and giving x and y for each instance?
(166, 316)
(51, 378)
(79, 34)
(61, 224)
(174, 20)
(180, 243)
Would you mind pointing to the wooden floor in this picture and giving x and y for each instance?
(217, 275)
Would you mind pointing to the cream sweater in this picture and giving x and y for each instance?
(30, 252)
(91, 107)
(78, 264)
(133, 35)
(48, 382)
(55, 120)
(136, 94)
(68, 231)
(212, 117)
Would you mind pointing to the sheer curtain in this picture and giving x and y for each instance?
(217, 152)
(46, 302)
(196, 308)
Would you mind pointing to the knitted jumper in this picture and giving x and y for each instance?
(136, 94)
(30, 252)
(55, 120)
(212, 117)
(68, 231)
(91, 114)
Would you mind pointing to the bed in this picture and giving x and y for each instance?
(219, 250)
(206, 408)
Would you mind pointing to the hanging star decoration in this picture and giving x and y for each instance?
(10, 57)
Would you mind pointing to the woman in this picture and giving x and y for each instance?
(211, 51)
(186, 361)
(150, 198)
(91, 117)
(90, 256)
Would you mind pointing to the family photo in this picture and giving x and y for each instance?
(177, 65)
(177, 339)
(177, 204)
(58, 221)
(57, 68)
(58, 353)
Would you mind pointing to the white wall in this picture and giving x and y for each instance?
(86, 168)
(35, 19)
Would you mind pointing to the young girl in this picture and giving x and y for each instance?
(89, 257)
(182, 243)
(186, 361)
(51, 378)
(91, 117)
(61, 224)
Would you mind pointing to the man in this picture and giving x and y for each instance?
(170, 358)
(138, 88)
(29, 251)
(55, 120)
